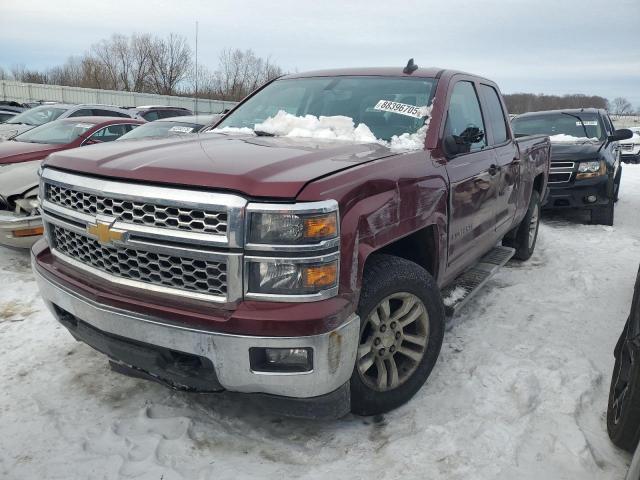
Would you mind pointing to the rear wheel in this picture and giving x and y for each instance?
(401, 331)
(524, 238)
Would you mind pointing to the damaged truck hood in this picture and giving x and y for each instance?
(276, 167)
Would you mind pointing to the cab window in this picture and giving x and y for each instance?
(494, 114)
(464, 118)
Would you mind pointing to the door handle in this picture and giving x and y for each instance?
(494, 169)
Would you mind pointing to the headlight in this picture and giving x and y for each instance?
(306, 237)
(586, 167)
(591, 169)
(315, 276)
(28, 205)
(292, 228)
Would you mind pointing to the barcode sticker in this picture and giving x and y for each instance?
(401, 108)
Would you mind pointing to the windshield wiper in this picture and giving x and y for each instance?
(261, 133)
(581, 122)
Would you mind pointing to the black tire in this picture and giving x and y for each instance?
(385, 276)
(603, 215)
(520, 238)
(616, 185)
(623, 409)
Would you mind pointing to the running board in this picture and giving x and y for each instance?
(456, 295)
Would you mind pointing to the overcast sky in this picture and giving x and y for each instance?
(550, 46)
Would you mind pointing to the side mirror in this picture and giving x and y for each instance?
(92, 141)
(456, 144)
(621, 134)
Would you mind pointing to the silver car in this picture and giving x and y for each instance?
(37, 116)
(168, 127)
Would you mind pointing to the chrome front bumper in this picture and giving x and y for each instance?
(334, 352)
(10, 222)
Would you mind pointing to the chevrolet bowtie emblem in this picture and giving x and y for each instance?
(104, 233)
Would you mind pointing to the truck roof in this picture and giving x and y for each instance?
(561, 110)
(428, 72)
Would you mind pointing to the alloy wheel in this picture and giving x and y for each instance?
(393, 341)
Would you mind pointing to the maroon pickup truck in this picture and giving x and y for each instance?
(306, 250)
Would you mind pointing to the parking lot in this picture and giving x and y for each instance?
(519, 391)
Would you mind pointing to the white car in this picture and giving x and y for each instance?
(37, 116)
(630, 149)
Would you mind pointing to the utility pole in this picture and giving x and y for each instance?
(196, 86)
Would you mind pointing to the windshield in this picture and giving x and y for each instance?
(161, 129)
(360, 98)
(55, 133)
(560, 124)
(38, 116)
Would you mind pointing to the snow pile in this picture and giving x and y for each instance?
(412, 141)
(562, 138)
(457, 294)
(233, 131)
(338, 127)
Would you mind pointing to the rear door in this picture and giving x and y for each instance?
(473, 182)
(506, 156)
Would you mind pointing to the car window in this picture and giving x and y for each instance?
(608, 125)
(100, 112)
(6, 116)
(150, 116)
(579, 124)
(38, 116)
(83, 112)
(494, 114)
(55, 133)
(162, 130)
(168, 113)
(464, 114)
(111, 133)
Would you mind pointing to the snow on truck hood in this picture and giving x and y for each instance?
(256, 166)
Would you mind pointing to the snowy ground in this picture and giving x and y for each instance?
(519, 391)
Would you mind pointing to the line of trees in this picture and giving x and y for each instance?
(530, 102)
(150, 64)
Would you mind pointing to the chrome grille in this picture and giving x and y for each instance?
(627, 146)
(140, 213)
(560, 172)
(177, 272)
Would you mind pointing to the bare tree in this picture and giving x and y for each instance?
(170, 63)
(621, 106)
(147, 64)
(240, 72)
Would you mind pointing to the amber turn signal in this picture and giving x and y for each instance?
(320, 227)
(321, 276)
(28, 232)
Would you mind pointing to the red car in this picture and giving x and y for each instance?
(20, 159)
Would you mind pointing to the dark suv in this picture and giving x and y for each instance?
(157, 112)
(585, 158)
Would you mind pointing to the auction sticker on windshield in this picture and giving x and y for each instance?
(401, 108)
(179, 129)
(590, 123)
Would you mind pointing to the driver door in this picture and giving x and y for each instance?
(473, 178)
